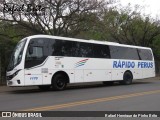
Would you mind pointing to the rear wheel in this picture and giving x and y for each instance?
(127, 78)
(59, 82)
(44, 87)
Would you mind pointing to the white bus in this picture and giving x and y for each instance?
(51, 61)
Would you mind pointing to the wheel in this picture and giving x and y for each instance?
(59, 82)
(44, 87)
(108, 82)
(127, 78)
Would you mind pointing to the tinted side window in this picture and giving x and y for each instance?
(145, 54)
(70, 48)
(131, 53)
(118, 52)
(39, 52)
(55, 47)
(101, 51)
(84, 49)
(61, 48)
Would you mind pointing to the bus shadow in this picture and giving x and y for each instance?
(25, 91)
(74, 87)
(87, 86)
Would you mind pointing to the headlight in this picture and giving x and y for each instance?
(13, 75)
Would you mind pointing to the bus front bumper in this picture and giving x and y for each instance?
(16, 80)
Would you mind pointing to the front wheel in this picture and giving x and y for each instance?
(127, 78)
(59, 82)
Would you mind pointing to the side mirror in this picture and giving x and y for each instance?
(30, 50)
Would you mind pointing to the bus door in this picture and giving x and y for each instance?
(33, 77)
(34, 61)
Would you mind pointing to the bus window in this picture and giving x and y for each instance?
(101, 51)
(61, 48)
(38, 54)
(118, 52)
(70, 48)
(145, 54)
(85, 49)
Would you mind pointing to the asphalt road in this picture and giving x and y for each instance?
(142, 95)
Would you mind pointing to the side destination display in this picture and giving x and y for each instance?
(131, 64)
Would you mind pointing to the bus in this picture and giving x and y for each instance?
(53, 62)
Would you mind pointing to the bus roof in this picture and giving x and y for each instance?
(86, 41)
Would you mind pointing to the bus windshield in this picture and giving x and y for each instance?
(16, 55)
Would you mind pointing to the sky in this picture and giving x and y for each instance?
(151, 7)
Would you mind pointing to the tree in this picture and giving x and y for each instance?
(10, 34)
(131, 28)
(55, 17)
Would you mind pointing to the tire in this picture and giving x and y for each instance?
(44, 87)
(127, 78)
(59, 82)
(108, 82)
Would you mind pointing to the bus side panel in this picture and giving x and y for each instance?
(117, 74)
(33, 76)
(137, 74)
(47, 77)
(97, 75)
(148, 73)
(78, 76)
(70, 74)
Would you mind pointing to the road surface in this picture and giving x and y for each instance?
(142, 95)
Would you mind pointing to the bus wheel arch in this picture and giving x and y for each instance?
(59, 80)
(127, 78)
